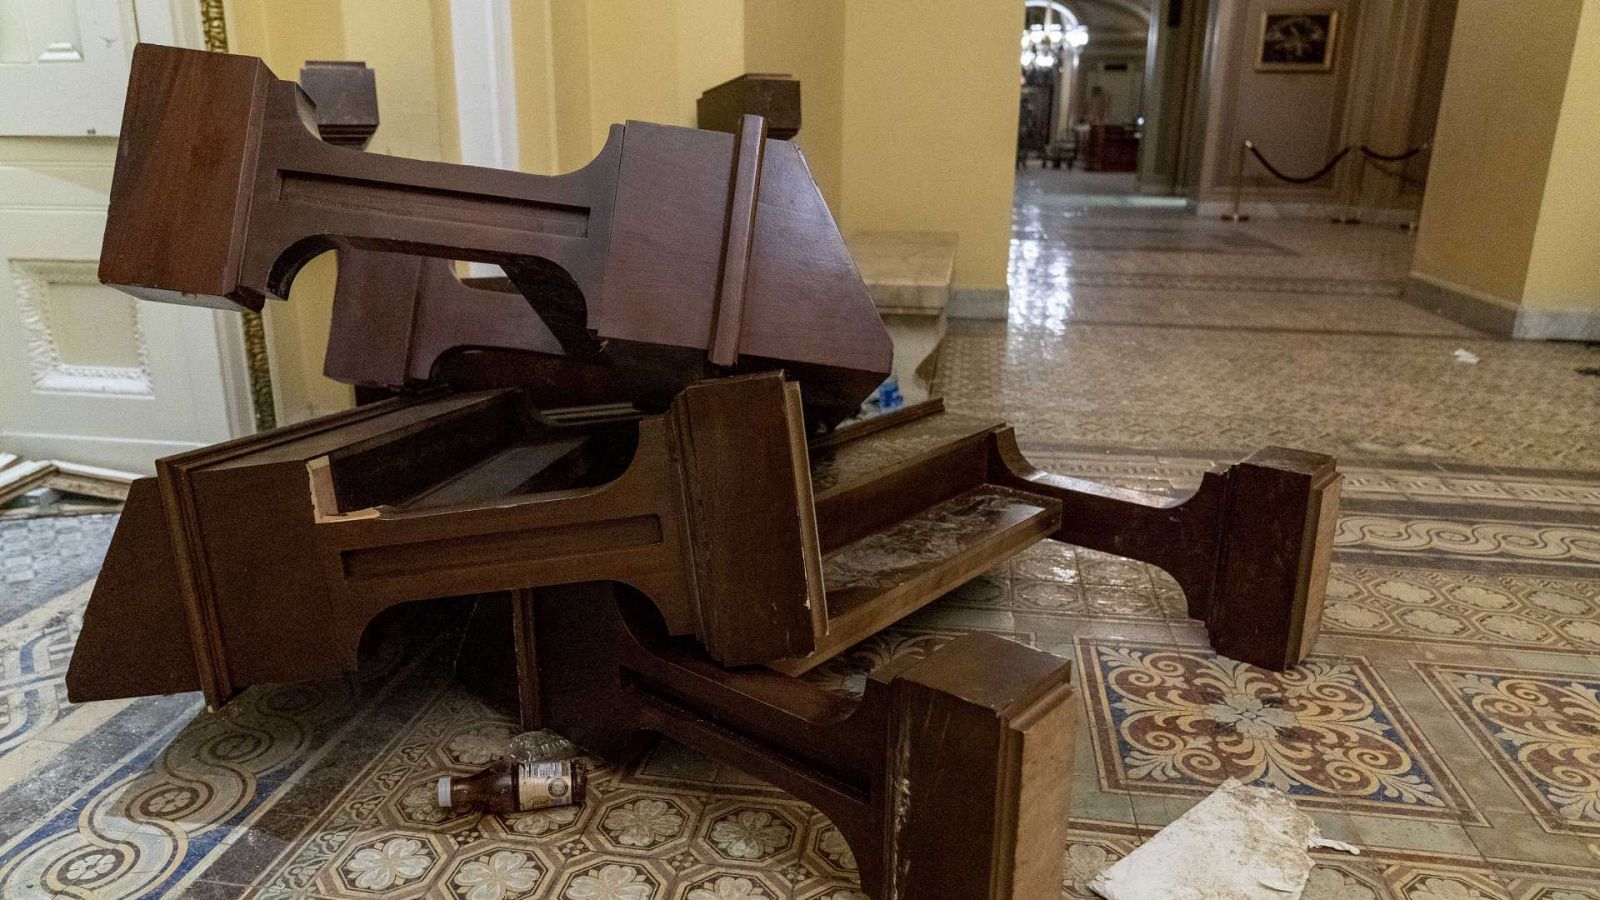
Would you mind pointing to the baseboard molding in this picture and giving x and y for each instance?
(1474, 309)
(1557, 325)
(990, 305)
(1498, 317)
(1269, 209)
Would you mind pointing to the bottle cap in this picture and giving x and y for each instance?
(444, 791)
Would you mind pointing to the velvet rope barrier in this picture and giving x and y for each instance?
(1370, 156)
(1402, 156)
(1299, 179)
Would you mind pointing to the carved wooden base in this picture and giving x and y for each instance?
(1250, 547)
(949, 778)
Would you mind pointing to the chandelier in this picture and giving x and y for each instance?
(1044, 45)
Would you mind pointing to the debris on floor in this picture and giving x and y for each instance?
(1463, 355)
(1240, 843)
(53, 487)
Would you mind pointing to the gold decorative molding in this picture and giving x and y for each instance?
(52, 371)
(214, 26)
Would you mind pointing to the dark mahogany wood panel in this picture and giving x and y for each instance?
(222, 192)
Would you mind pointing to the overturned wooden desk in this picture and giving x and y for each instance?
(675, 529)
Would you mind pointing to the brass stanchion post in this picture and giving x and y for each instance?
(1238, 186)
(1351, 214)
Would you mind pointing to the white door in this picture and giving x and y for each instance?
(88, 374)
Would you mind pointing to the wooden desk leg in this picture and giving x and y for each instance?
(1250, 547)
(980, 756)
(949, 778)
(497, 640)
(1277, 530)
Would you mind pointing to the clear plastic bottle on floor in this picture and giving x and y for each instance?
(542, 746)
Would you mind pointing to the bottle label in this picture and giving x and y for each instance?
(541, 785)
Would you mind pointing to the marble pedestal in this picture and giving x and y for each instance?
(909, 274)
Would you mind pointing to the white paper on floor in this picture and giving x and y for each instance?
(1240, 843)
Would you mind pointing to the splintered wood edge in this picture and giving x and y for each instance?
(325, 497)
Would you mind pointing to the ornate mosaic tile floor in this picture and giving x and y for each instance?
(1448, 721)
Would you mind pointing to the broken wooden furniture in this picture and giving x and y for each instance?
(948, 778)
(708, 522)
(675, 255)
(651, 555)
(1250, 547)
(764, 549)
(676, 551)
(21, 478)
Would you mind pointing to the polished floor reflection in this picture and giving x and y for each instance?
(1447, 722)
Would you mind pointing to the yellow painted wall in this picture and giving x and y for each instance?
(1564, 268)
(806, 40)
(535, 74)
(711, 48)
(1503, 94)
(584, 65)
(407, 43)
(569, 54)
(930, 124)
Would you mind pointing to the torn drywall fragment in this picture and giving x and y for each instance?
(1241, 843)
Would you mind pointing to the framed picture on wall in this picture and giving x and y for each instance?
(1297, 41)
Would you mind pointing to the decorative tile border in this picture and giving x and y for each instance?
(1559, 615)
(1529, 544)
(1362, 287)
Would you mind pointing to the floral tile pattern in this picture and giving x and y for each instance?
(1179, 721)
(1542, 729)
(643, 834)
(1558, 614)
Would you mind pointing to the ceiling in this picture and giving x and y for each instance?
(1104, 18)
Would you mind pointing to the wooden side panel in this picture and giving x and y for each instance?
(752, 524)
(275, 615)
(451, 314)
(1180, 536)
(805, 299)
(666, 237)
(1036, 788)
(135, 638)
(1322, 521)
(375, 310)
